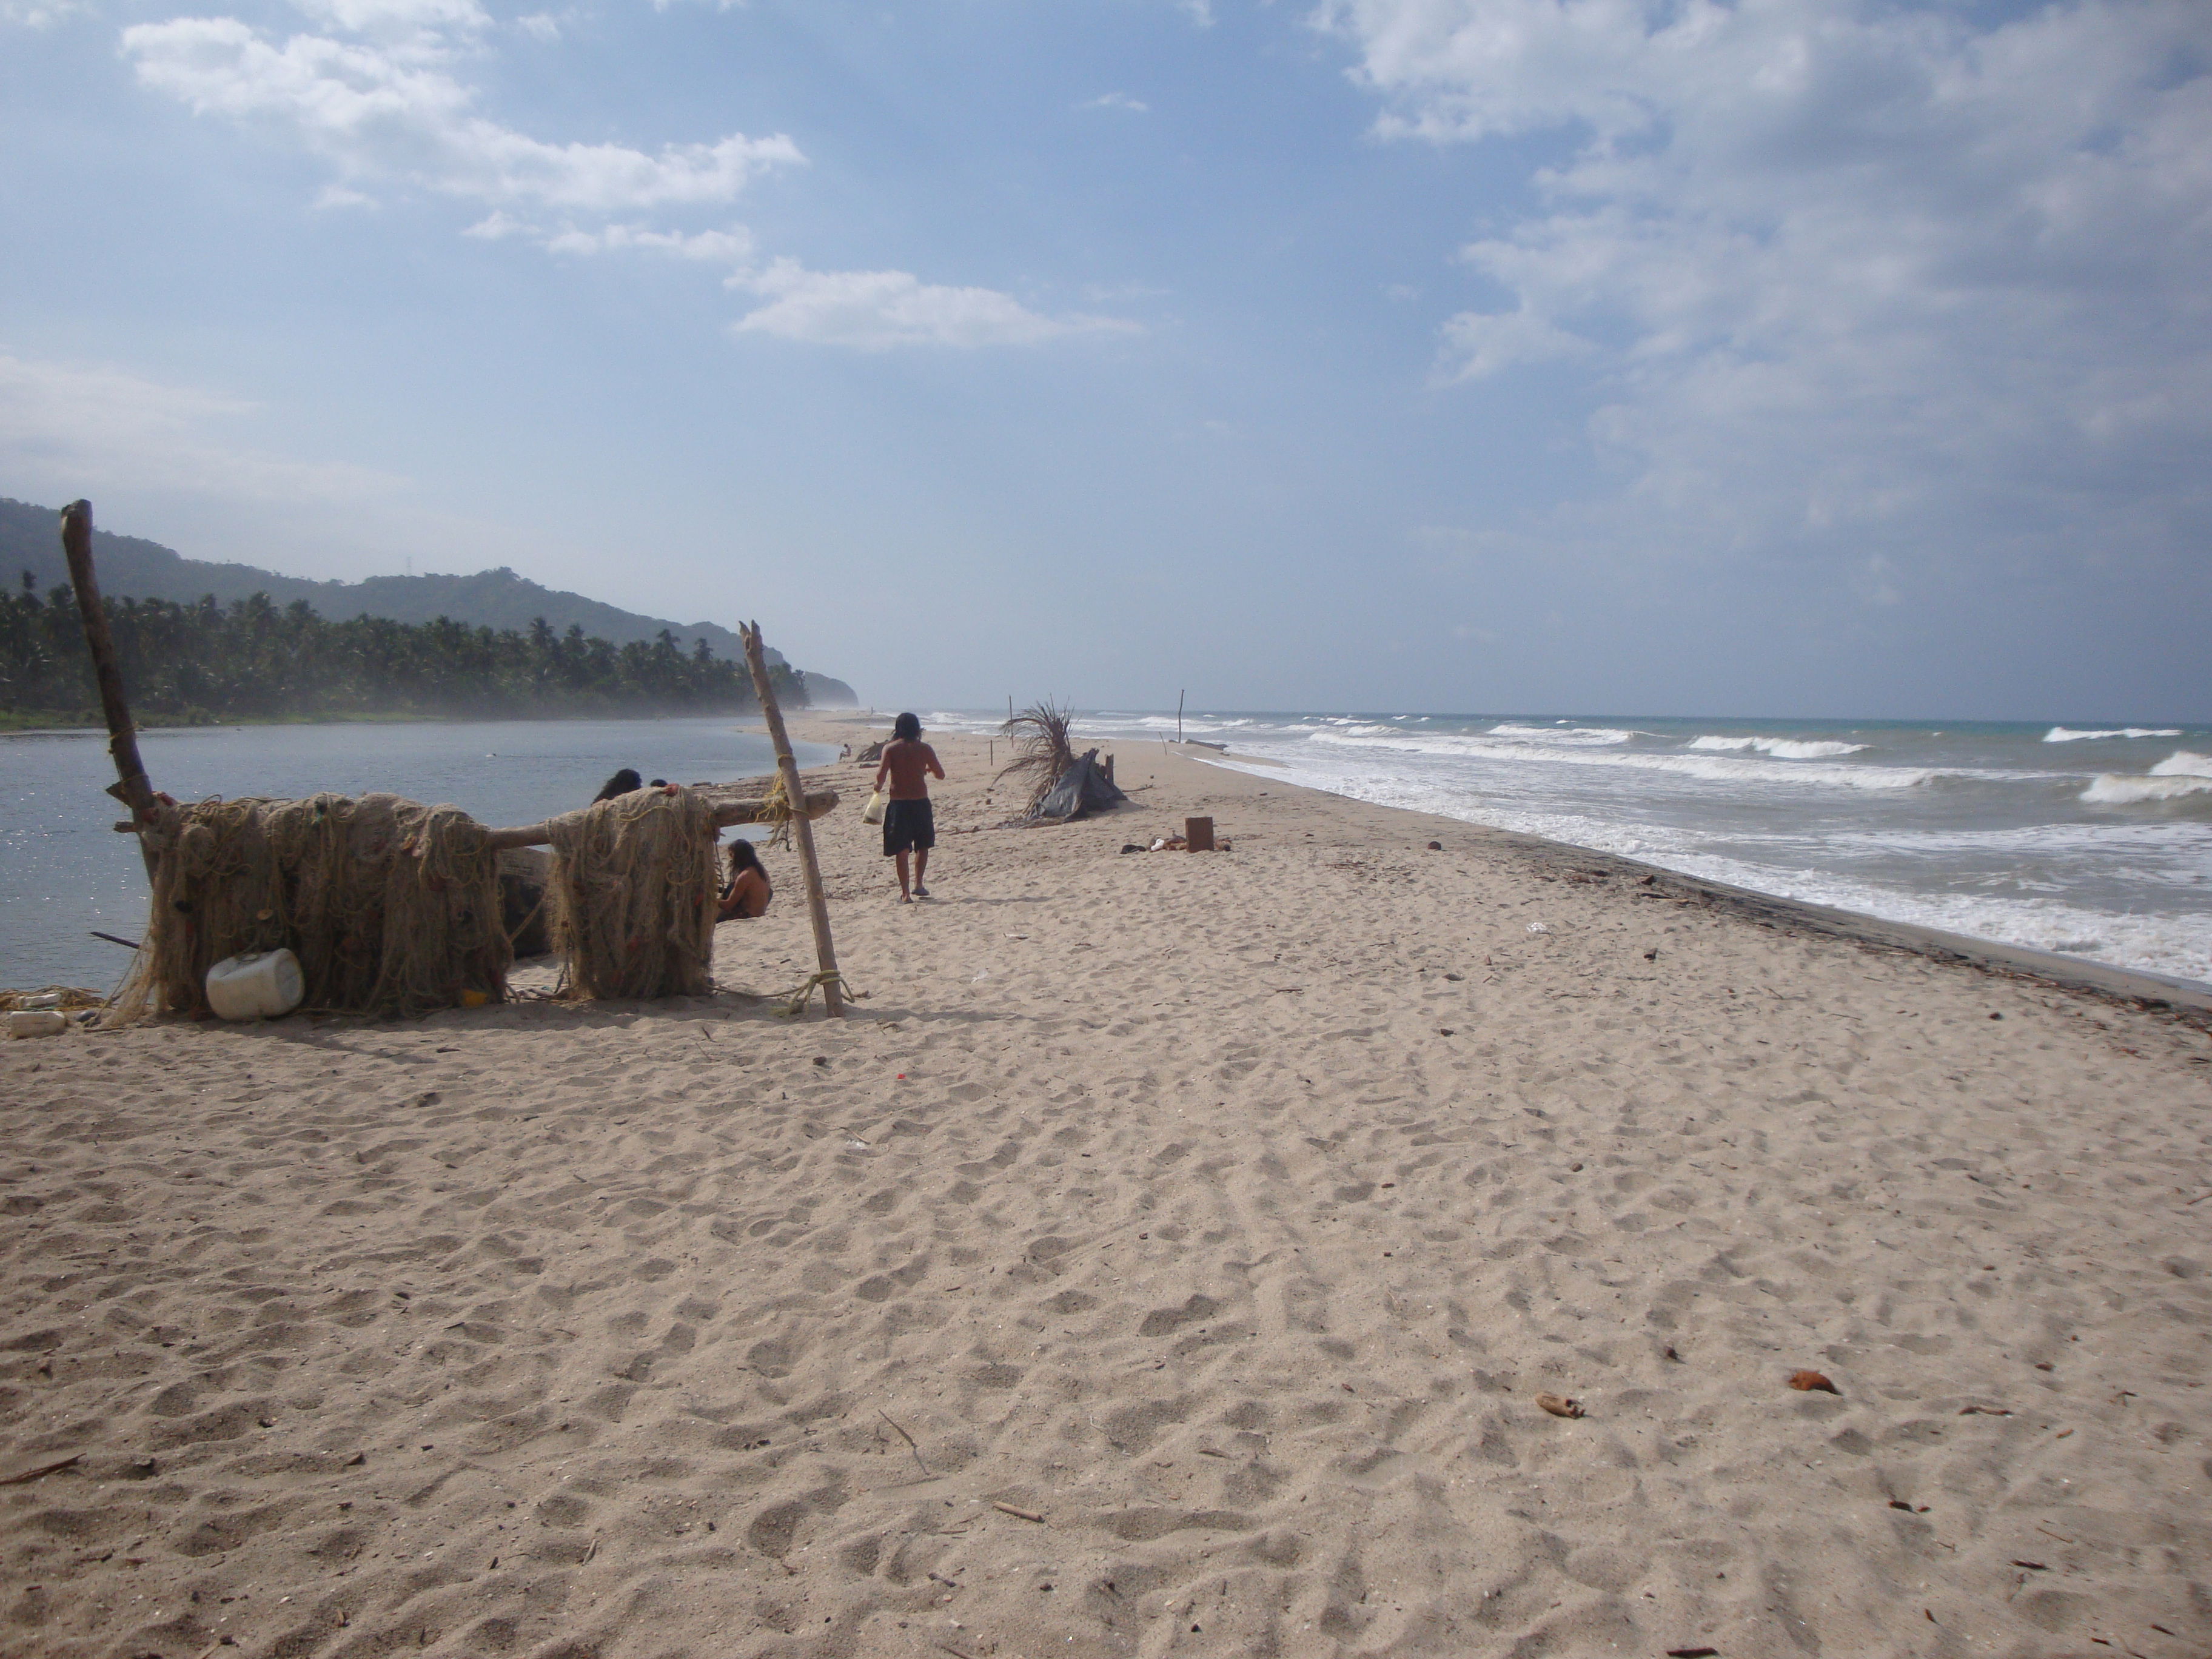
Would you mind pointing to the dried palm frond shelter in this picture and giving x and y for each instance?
(1062, 784)
(392, 906)
(1039, 738)
(633, 896)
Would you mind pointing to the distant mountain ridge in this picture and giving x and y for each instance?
(30, 539)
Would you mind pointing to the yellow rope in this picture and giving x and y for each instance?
(775, 808)
(799, 996)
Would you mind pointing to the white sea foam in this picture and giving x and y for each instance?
(2126, 789)
(2178, 944)
(1717, 769)
(1562, 734)
(2180, 774)
(1782, 748)
(2062, 734)
(2182, 764)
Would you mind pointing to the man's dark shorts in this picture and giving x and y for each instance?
(908, 824)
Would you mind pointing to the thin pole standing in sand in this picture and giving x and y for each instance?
(1179, 697)
(132, 786)
(802, 829)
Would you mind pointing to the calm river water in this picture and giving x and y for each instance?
(63, 871)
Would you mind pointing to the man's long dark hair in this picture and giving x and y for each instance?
(743, 856)
(907, 726)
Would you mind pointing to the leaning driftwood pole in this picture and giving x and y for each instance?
(802, 828)
(732, 803)
(132, 787)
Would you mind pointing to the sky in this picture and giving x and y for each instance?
(1787, 357)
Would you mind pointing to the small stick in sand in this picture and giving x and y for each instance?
(1018, 1515)
(908, 1438)
(43, 1470)
(1559, 1405)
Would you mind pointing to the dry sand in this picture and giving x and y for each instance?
(1166, 1258)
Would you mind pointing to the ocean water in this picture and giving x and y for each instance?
(63, 871)
(2089, 841)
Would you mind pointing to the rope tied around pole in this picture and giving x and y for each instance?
(776, 810)
(795, 1000)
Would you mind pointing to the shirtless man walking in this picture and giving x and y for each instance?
(909, 821)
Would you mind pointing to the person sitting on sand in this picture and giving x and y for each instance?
(909, 821)
(748, 894)
(624, 782)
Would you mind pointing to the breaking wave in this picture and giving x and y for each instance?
(2179, 774)
(1570, 736)
(1714, 768)
(2121, 789)
(2062, 734)
(1782, 748)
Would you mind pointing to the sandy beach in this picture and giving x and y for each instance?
(1166, 1257)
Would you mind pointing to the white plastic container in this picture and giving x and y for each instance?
(259, 985)
(36, 1023)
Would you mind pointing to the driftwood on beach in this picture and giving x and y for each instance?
(753, 801)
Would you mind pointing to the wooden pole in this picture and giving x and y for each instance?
(1179, 696)
(732, 803)
(802, 828)
(132, 788)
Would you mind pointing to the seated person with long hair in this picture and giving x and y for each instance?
(748, 892)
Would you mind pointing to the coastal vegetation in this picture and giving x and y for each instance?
(206, 661)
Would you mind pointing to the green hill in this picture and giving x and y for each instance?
(30, 539)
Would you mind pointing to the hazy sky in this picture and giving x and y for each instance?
(1790, 356)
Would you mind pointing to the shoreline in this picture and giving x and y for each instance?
(2081, 973)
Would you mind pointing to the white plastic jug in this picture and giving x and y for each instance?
(36, 1023)
(259, 985)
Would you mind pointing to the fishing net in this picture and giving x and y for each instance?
(58, 999)
(633, 893)
(391, 906)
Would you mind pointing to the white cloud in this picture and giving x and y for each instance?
(1120, 101)
(37, 14)
(498, 225)
(386, 105)
(732, 246)
(404, 19)
(876, 310)
(1482, 343)
(539, 26)
(392, 109)
(70, 429)
(1846, 268)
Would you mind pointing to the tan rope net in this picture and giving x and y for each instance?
(391, 906)
(633, 891)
